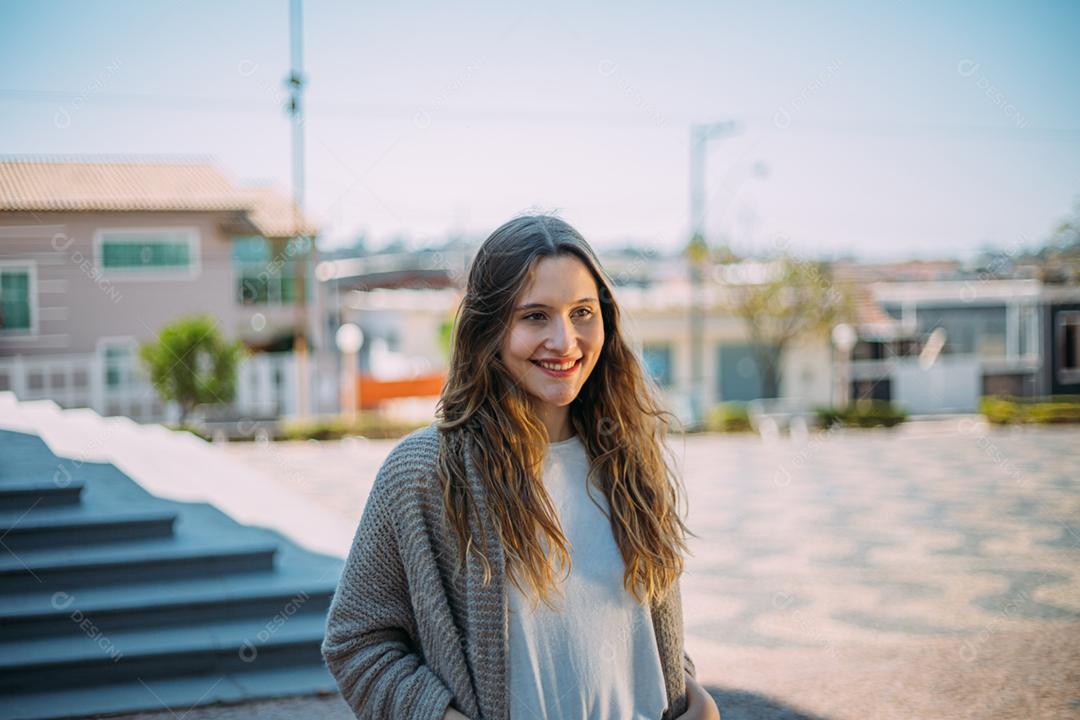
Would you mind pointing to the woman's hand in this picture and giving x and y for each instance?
(700, 705)
(452, 714)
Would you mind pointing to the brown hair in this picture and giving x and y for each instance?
(616, 415)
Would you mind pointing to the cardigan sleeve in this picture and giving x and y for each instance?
(688, 665)
(370, 646)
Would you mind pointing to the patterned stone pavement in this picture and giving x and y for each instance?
(931, 571)
(928, 572)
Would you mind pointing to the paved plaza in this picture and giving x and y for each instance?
(931, 571)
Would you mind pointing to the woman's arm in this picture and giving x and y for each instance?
(369, 629)
(700, 705)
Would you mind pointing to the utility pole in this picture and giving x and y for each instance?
(304, 249)
(697, 257)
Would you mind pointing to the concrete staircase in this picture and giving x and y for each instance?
(115, 600)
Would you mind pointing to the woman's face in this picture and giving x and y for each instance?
(556, 319)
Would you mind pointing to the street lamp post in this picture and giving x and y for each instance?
(349, 338)
(307, 336)
(697, 256)
(844, 338)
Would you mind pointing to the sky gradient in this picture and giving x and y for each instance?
(899, 130)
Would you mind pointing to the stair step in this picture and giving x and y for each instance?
(26, 457)
(291, 635)
(173, 602)
(20, 496)
(113, 600)
(174, 694)
(69, 568)
(53, 527)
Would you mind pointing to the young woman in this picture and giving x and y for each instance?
(543, 480)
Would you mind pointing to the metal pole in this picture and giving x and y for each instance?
(697, 257)
(295, 83)
(697, 240)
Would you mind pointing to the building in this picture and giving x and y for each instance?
(403, 304)
(940, 345)
(96, 255)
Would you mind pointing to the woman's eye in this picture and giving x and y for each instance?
(584, 312)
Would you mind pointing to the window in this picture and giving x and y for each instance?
(1068, 346)
(157, 253)
(870, 350)
(976, 331)
(740, 377)
(871, 389)
(250, 249)
(263, 278)
(18, 298)
(119, 362)
(260, 283)
(657, 359)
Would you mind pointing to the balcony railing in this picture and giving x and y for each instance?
(119, 386)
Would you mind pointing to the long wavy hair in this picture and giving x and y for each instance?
(617, 416)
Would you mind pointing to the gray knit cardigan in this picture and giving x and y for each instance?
(406, 636)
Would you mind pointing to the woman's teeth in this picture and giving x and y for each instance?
(556, 366)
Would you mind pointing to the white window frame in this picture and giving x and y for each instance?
(193, 238)
(1032, 340)
(33, 331)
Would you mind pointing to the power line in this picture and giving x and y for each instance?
(558, 116)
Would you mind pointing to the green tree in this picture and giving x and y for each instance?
(1065, 240)
(1060, 254)
(192, 364)
(789, 299)
(446, 337)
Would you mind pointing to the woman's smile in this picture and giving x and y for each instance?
(558, 370)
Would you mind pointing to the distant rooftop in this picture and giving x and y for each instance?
(141, 184)
(903, 271)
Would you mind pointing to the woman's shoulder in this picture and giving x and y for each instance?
(418, 444)
(410, 467)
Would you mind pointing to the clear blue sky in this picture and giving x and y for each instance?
(889, 129)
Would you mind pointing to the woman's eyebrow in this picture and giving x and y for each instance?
(530, 306)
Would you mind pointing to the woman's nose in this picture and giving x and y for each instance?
(563, 337)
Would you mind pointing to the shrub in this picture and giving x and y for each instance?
(369, 426)
(191, 363)
(863, 413)
(728, 417)
(1003, 410)
(1054, 412)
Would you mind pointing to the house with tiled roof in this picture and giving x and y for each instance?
(98, 254)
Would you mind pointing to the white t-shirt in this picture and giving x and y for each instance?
(596, 657)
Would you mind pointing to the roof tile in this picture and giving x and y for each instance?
(51, 184)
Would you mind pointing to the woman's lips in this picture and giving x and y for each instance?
(559, 373)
